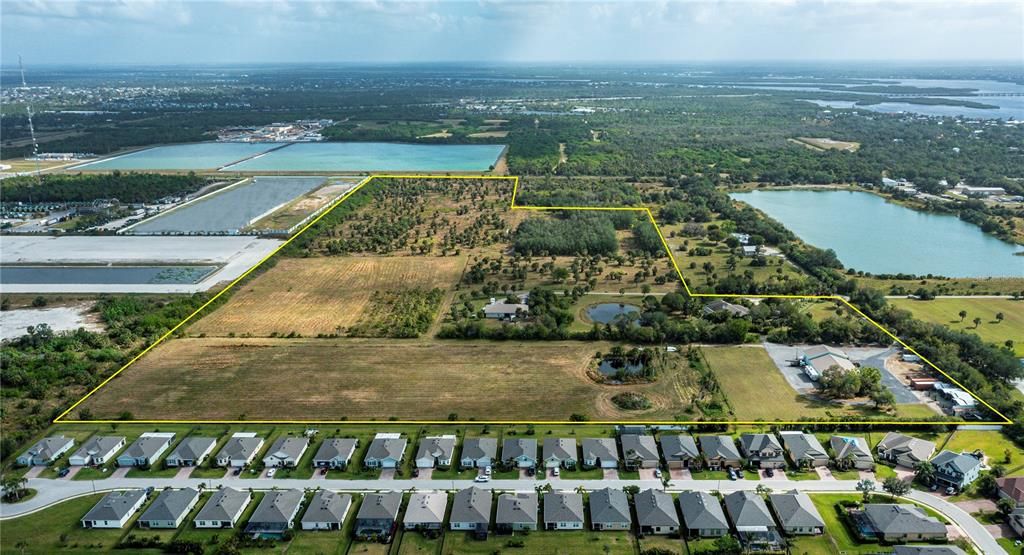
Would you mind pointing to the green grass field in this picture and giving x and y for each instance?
(946, 312)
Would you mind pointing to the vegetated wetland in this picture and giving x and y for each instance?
(872, 235)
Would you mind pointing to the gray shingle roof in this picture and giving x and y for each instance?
(655, 508)
(608, 506)
(795, 509)
(426, 507)
(515, 447)
(224, 505)
(335, 447)
(901, 519)
(517, 508)
(715, 447)
(955, 461)
(803, 446)
(899, 444)
(747, 509)
(383, 448)
(702, 511)
(47, 447)
(288, 447)
(277, 507)
(115, 505)
(759, 442)
(170, 504)
(643, 446)
(471, 505)
(479, 447)
(98, 445)
(327, 506)
(852, 448)
(191, 447)
(240, 447)
(145, 447)
(600, 448)
(441, 447)
(559, 448)
(380, 505)
(563, 507)
(678, 447)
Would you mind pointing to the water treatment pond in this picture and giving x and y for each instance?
(98, 275)
(195, 156)
(353, 157)
(607, 313)
(873, 235)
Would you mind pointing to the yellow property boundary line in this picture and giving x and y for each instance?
(515, 190)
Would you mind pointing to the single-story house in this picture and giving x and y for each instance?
(703, 516)
(386, 451)
(1012, 489)
(680, 451)
(904, 450)
(479, 452)
(378, 515)
(97, 450)
(559, 451)
(600, 452)
(609, 510)
(471, 511)
(655, 512)
(763, 450)
(851, 452)
(426, 510)
(563, 511)
(145, 450)
(335, 452)
(902, 523)
(516, 511)
(170, 508)
(115, 509)
(286, 452)
(276, 512)
(804, 449)
(502, 310)
(720, 452)
(436, 452)
(956, 470)
(819, 358)
(223, 509)
(192, 451)
(45, 451)
(718, 305)
(639, 451)
(326, 511)
(752, 521)
(796, 513)
(519, 452)
(928, 550)
(239, 450)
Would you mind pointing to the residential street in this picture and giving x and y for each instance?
(54, 491)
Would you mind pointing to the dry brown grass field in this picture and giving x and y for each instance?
(313, 296)
(331, 379)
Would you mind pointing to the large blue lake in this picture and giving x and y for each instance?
(357, 157)
(872, 235)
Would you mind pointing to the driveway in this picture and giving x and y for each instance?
(867, 475)
(646, 473)
(72, 471)
(899, 390)
(976, 505)
(680, 474)
(904, 474)
(34, 472)
(782, 355)
(120, 472)
(523, 474)
(387, 474)
(425, 474)
(762, 474)
(824, 473)
(184, 472)
(610, 473)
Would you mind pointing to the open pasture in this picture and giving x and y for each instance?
(991, 329)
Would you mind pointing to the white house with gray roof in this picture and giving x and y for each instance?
(600, 452)
(680, 451)
(804, 449)
(753, 522)
(519, 452)
(240, 449)
(386, 451)
(97, 450)
(796, 513)
(223, 509)
(479, 452)
(639, 451)
(335, 452)
(762, 450)
(378, 515)
(560, 452)
(851, 452)
(115, 509)
(192, 451)
(957, 470)
(563, 511)
(904, 450)
(426, 510)
(609, 510)
(170, 508)
(703, 516)
(720, 452)
(45, 451)
(471, 511)
(516, 511)
(656, 512)
(326, 511)
(146, 450)
(286, 452)
(436, 451)
(276, 512)
(902, 523)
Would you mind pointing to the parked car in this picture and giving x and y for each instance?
(732, 474)
(64, 472)
(323, 471)
(487, 470)
(271, 472)
(482, 479)
(657, 473)
(555, 472)
(415, 473)
(950, 490)
(769, 472)
(237, 471)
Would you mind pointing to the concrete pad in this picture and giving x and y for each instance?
(34, 472)
(425, 474)
(610, 473)
(680, 474)
(779, 475)
(646, 473)
(824, 473)
(72, 471)
(120, 472)
(184, 472)
(387, 474)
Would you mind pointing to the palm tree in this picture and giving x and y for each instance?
(962, 315)
(977, 322)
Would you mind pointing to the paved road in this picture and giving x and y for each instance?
(53, 491)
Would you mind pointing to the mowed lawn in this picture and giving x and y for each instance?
(314, 296)
(947, 313)
(756, 389)
(331, 379)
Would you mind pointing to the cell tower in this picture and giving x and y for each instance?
(31, 129)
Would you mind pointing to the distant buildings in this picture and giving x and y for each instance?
(303, 131)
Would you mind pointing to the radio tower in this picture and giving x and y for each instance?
(31, 128)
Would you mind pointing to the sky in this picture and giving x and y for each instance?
(156, 32)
